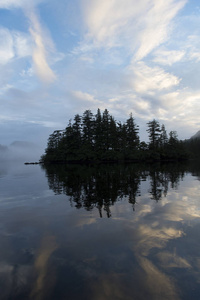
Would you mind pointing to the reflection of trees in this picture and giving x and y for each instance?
(159, 185)
(195, 168)
(161, 176)
(101, 186)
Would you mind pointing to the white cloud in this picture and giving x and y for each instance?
(140, 26)
(168, 57)
(181, 101)
(29, 72)
(139, 106)
(10, 4)
(191, 44)
(195, 56)
(22, 44)
(179, 109)
(83, 96)
(105, 20)
(39, 52)
(172, 100)
(41, 39)
(7, 4)
(5, 88)
(156, 24)
(6, 46)
(147, 79)
(13, 44)
(86, 99)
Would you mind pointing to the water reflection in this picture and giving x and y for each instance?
(100, 187)
(53, 249)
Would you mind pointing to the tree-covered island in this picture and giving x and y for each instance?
(100, 138)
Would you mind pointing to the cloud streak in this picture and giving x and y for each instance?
(147, 79)
(10, 4)
(6, 46)
(142, 26)
(13, 45)
(42, 68)
(167, 57)
(156, 23)
(40, 42)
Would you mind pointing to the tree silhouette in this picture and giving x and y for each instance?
(101, 138)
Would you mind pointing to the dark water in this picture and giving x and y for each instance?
(110, 232)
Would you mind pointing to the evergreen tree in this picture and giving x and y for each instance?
(154, 133)
(112, 135)
(88, 127)
(163, 136)
(173, 138)
(52, 150)
(88, 135)
(132, 138)
(76, 129)
(98, 133)
(105, 130)
(67, 143)
(122, 139)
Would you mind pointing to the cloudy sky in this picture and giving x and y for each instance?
(59, 58)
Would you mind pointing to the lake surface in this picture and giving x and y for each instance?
(105, 232)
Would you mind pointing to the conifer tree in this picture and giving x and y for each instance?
(88, 127)
(132, 138)
(105, 129)
(163, 136)
(76, 129)
(173, 138)
(98, 132)
(112, 136)
(154, 133)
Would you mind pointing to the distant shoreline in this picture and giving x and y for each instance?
(82, 162)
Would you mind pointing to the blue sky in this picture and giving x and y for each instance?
(59, 58)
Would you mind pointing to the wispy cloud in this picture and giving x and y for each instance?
(13, 44)
(168, 57)
(157, 25)
(6, 46)
(84, 100)
(140, 26)
(9, 4)
(43, 70)
(41, 40)
(106, 21)
(195, 56)
(22, 44)
(148, 79)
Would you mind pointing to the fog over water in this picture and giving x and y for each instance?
(20, 151)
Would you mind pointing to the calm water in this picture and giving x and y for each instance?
(110, 232)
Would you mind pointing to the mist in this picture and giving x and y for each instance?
(20, 151)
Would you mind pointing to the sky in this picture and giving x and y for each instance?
(59, 58)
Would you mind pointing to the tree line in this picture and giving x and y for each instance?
(193, 147)
(100, 137)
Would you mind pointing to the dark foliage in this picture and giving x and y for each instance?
(99, 138)
(193, 147)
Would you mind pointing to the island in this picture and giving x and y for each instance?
(100, 138)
